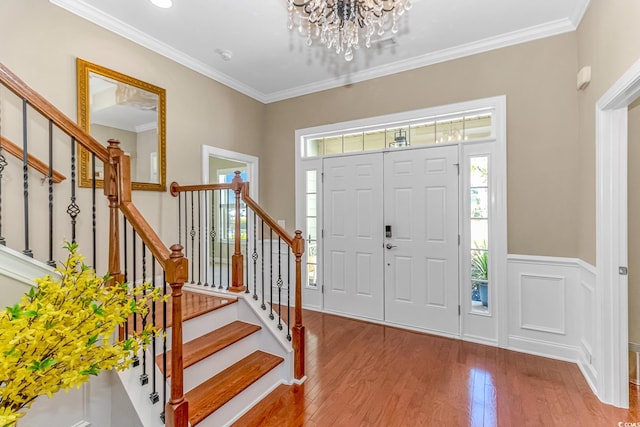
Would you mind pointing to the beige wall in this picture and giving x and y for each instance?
(608, 42)
(41, 44)
(538, 79)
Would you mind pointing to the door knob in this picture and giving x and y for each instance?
(390, 246)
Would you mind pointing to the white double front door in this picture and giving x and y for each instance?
(391, 237)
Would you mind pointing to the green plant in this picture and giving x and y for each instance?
(62, 332)
(480, 262)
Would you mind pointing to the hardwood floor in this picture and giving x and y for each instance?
(362, 374)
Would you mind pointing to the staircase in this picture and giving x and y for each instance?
(229, 342)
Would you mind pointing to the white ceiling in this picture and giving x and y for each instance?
(270, 63)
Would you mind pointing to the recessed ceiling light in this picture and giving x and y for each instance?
(165, 4)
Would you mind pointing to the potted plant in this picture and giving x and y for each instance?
(480, 273)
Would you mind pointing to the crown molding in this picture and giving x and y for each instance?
(125, 30)
(110, 23)
(549, 29)
(579, 13)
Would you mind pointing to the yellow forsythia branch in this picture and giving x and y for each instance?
(62, 332)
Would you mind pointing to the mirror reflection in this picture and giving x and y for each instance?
(112, 105)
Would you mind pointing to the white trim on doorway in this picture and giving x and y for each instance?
(611, 238)
(252, 162)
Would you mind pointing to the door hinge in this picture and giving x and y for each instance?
(459, 310)
(322, 289)
(458, 240)
(322, 233)
(322, 177)
(457, 165)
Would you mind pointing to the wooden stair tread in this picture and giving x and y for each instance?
(221, 388)
(194, 304)
(210, 343)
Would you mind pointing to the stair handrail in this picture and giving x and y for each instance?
(44, 107)
(295, 242)
(16, 151)
(118, 191)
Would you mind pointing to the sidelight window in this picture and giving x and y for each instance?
(479, 232)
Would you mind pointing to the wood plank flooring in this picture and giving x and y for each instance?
(362, 374)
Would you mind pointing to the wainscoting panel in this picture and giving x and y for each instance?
(550, 307)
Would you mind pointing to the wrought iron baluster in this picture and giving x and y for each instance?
(93, 208)
(262, 306)
(25, 179)
(192, 233)
(3, 164)
(73, 210)
(279, 283)
(154, 392)
(254, 257)
(212, 235)
(180, 218)
(126, 266)
(246, 250)
(271, 273)
(289, 293)
(186, 235)
(222, 231)
(164, 342)
(144, 377)
(199, 241)
(206, 239)
(134, 261)
(50, 262)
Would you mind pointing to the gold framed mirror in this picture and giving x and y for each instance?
(114, 105)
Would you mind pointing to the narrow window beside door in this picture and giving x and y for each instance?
(479, 218)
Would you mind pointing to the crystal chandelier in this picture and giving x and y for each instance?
(340, 24)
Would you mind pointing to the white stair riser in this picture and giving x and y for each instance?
(244, 401)
(201, 325)
(196, 374)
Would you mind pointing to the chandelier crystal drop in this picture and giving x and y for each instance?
(341, 24)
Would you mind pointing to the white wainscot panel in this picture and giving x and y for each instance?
(542, 303)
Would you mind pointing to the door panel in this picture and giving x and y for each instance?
(353, 235)
(421, 262)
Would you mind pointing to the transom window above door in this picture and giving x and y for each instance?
(460, 127)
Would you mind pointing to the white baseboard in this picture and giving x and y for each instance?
(547, 349)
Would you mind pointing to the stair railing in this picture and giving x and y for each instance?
(213, 220)
(118, 192)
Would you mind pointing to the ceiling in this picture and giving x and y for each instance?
(270, 63)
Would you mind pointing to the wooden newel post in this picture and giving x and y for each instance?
(298, 328)
(237, 261)
(111, 190)
(177, 409)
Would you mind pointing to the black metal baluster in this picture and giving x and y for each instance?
(50, 262)
(289, 293)
(144, 378)
(93, 208)
(126, 266)
(3, 164)
(212, 235)
(192, 233)
(246, 250)
(199, 241)
(271, 273)
(25, 177)
(254, 256)
(279, 283)
(262, 306)
(206, 238)
(222, 231)
(154, 393)
(180, 218)
(134, 261)
(164, 341)
(73, 210)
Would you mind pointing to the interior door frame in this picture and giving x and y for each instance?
(611, 318)
(253, 166)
